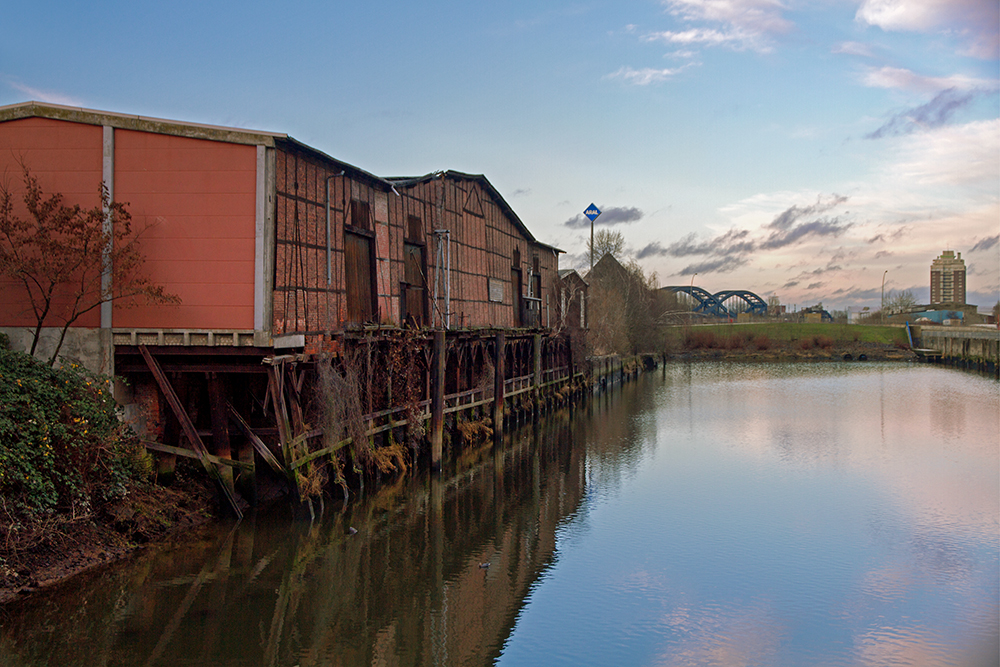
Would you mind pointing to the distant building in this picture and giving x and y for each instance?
(572, 299)
(948, 278)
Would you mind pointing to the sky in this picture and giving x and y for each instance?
(800, 150)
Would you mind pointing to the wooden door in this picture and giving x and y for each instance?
(359, 263)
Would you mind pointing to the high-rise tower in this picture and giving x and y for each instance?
(948, 278)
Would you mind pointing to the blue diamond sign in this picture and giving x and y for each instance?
(592, 212)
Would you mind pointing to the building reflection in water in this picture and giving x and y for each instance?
(435, 573)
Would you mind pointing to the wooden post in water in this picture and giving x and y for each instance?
(498, 383)
(437, 398)
(220, 425)
(536, 345)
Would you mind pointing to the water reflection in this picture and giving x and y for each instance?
(714, 514)
(434, 574)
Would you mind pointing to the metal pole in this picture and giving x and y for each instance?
(591, 245)
(883, 296)
(447, 287)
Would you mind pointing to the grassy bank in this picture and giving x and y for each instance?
(785, 333)
(788, 340)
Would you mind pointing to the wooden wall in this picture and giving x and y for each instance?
(484, 243)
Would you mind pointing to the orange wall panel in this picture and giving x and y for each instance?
(195, 201)
(66, 158)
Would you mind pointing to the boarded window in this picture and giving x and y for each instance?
(414, 229)
(361, 215)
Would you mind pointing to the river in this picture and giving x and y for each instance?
(709, 514)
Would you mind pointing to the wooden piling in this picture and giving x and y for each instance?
(536, 346)
(220, 425)
(437, 398)
(499, 370)
(188, 427)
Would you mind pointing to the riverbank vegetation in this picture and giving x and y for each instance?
(75, 483)
(787, 340)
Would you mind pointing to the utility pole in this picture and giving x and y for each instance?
(883, 296)
(592, 213)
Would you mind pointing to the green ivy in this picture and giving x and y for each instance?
(62, 444)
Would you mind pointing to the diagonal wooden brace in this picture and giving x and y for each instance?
(189, 430)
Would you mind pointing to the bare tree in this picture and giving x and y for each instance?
(624, 306)
(606, 242)
(59, 255)
(900, 302)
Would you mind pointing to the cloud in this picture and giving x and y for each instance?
(733, 242)
(895, 235)
(783, 238)
(935, 113)
(975, 22)
(789, 216)
(897, 78)
(815, 285)
(614, 215)
(521, 192)
(736, 247)
(720, 265)
(741, 24)
(40, 95)
(985, 244)
(854, 49)
(646, 76)
(952, 155)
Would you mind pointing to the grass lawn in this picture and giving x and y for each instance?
(790, 332)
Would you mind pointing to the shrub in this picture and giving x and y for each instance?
(824, 342)
(737, 341)
(761, 342)
(62, 446)
(700, 340)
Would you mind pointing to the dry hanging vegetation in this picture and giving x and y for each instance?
(367, 378)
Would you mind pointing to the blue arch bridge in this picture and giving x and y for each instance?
(727, 303)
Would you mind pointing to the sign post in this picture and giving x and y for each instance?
(592, 212)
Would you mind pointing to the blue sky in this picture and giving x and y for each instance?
(796, 149)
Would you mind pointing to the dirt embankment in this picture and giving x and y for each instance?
(51, 550)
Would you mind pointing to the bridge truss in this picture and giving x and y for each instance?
(727, 303)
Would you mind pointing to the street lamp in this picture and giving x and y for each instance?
(883, 296)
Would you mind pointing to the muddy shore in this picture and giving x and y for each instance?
(38, 556)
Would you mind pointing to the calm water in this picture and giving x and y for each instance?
(715, 514)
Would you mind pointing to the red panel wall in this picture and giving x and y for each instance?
(196, 201)
(66, 158)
